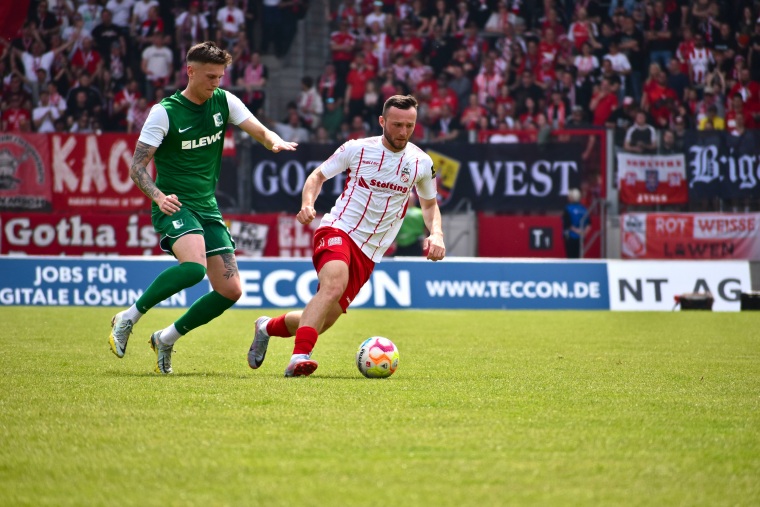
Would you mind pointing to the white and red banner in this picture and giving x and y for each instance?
(264, 235)
(92, 172)
(691, 236)
(652, 179)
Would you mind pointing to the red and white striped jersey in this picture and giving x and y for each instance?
(700, 60)
(376, 194)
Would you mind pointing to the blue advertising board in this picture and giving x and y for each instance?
(283, 283)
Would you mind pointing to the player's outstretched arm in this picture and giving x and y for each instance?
(433, 245)
(271, 141)
(144, 152)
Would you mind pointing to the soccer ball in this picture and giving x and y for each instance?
(377, 357)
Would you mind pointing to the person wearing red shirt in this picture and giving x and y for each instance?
(408, 44)
(548, 48)
(488, 81)
(342, 44)
(356, 85)
(87, 58)
(444, 96)
(581, 30)
(473, 113)
(748, 89)
(659, 100)
(603, 102)
(427, 88)
(16, 118)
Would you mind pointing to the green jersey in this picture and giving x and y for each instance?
(189, 159)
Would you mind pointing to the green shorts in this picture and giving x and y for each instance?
(210, 225)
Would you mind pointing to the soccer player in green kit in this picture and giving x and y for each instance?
(185, 135)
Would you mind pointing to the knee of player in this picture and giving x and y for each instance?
(332, 291)
(193, 271)
(233, 293)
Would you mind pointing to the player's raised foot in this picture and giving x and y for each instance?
(300, 366)
(163, 354)
(258, 350)
(121, 328)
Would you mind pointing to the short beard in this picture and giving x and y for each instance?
(390, 140)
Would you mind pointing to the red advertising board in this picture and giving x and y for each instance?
(691, 236)
(652, 179)
(267, 235)
(25, 173)
(527, 236)
(92, 172)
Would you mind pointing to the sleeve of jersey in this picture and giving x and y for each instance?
(238, 111)
(156, 126)
(426, 187)
(338, 161)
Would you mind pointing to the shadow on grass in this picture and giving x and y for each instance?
(215, 374)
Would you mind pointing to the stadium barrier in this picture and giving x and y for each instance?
(457, 283)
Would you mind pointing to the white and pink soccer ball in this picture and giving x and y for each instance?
(377, 357)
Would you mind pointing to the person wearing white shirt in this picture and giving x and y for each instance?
(45, 114)
(381, 173)
(156, 64)
(140, 13)
(230, 20)
(90, 13)
(121, 10)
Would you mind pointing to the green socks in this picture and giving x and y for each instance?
(170, 282)
(205, 309)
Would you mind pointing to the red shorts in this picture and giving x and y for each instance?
(332, 244)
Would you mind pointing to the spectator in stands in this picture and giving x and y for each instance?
(137, 115)
(121, 11)
(356, 84)
(152, 25)
(712, 119)
(499, 19)
(81, 124)
(140, 14)
(677, 80)
(46, 23)
(709, 99)
(738, 129)
(76, 33)
(292, 128)
(442, 17)
(620, 65)
(92, 101)
(107, 33)
(641, 137)
(525, 89)
(557, 110)
(622, 119)
(582, 29)
(37, 59)
(191, 27)
(679, 132)
(668, 144)
(230, 21)
(472, 114)
(310, 106)
(16, 117)
(87, 59)
(446, 128)
(90, 12)
(659, 36)
(342, 46)
(156, 65)
(332, 117)
(253, 81)
(576, 223)
(358, 128)
(488, 81)
(55, 98)
(321, 136)
(603, 102)
(123, 101)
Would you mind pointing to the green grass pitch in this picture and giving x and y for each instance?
(487, 408)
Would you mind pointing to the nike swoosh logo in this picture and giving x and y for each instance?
(182, 130)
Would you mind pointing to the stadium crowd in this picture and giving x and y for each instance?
(483, 70)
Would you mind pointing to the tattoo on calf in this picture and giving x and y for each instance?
(230, 265)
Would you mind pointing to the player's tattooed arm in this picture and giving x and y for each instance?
(139, 173)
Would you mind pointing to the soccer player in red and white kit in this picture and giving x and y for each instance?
(359, 228)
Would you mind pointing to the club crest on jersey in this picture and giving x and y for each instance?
(218, 119)
(405, 174)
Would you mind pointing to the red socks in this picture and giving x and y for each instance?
(306, 337)
(276, 327)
